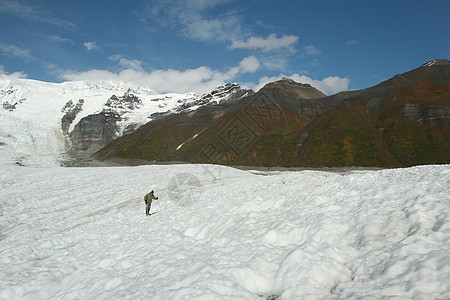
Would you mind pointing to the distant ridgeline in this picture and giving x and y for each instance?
(402, 121)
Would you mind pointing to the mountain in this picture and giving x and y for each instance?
(124, 114)
(201, 135)
(53, 119)
(403, 121)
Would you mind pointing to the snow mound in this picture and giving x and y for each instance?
(82, 233)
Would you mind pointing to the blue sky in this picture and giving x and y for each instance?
(196, 45)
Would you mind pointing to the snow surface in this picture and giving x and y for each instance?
(223, 233)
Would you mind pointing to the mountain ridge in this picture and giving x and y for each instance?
(394, 123)
(401, 121)
(76, 118)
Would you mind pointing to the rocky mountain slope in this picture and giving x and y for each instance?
(403, 121)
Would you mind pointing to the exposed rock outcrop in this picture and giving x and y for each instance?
(127, 102)
(10, 105)
(70, 113)
(95, 131)
(225, 93)
(436, 115)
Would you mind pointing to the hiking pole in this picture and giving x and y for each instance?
(160, 206)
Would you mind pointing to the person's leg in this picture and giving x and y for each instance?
(147, 209)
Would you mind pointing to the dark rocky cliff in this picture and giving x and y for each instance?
(95, 131)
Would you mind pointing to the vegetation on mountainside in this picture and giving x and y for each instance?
(403, 121)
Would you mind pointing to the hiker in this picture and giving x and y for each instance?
(148, 201)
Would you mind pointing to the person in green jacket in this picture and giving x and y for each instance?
(148, 201)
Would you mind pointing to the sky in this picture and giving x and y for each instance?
(197, 45)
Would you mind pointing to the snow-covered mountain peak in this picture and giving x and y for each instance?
(120, 87)
(436, 62)
(42, 117)
(225, 93)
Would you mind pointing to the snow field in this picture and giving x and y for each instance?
(218, 232)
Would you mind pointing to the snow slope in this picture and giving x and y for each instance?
(81, 233)
(31, 112)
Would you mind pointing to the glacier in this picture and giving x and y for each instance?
(32, 111)
(223, 233)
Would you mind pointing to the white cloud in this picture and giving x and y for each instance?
(59, 39)
(33, 13)
(199, 80)
(249, 64)
(52, 69)
(352, 43)
(211, 21)
(92, 46)
(310, 50)
(270, 43)
(277, 62)
(195, 19)
(14, 75)
(126, 63)
(329, 85)
(204, 29)
(14, 51)
(202, 79)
